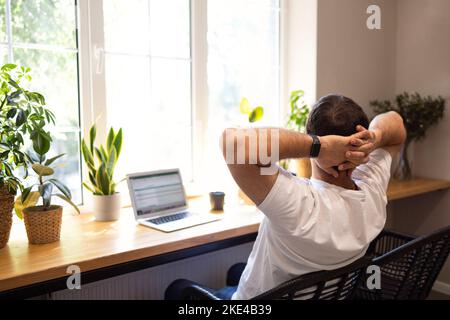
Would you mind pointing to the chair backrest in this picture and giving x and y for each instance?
(338, 284)
(409, 271)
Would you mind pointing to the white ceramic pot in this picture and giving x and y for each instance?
(106, 208)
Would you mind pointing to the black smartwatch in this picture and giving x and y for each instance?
(315, 147)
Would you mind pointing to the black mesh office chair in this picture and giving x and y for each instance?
(339, 284)
(409, 265)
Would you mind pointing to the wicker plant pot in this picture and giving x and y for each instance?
(43, 226)
(6, 208)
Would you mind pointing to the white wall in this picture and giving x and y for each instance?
(353, 60)
(423, 65)
(300, 49)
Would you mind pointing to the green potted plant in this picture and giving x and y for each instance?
(43, 222)
(298, 117)
(419, 114)
(23, 116)
(101, 162)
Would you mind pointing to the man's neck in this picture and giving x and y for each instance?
(344, 180)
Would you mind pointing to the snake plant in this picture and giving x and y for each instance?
(101, 162)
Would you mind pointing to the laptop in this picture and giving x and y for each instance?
(159, 201)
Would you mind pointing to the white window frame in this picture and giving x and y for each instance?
(92, 76)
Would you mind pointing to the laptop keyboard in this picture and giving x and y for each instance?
(167, 219)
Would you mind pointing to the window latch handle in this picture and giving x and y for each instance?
(99, 55)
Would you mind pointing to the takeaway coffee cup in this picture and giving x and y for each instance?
(217, 200)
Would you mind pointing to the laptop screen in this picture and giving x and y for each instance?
(157, 192)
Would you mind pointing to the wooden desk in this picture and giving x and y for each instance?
(405, 189)
(106, 249)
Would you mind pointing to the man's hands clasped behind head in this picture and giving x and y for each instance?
(346, 153)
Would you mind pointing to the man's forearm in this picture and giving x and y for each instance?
(389, 129)
(259, 145)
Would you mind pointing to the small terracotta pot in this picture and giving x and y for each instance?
(43, 226)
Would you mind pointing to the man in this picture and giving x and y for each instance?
(325, 222)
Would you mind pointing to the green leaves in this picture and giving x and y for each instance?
(61, 187)
(101, 175)
(110, 139)
(114, 140)
(26, 193)
(21, 118)
(51, 160)
(11, 113)
(299, 111)
(9, 67)
(23, 115)
(45, 187)
(42, 171)
(92, 136)
(22, 202)
(255, 114)
(41, 141)
(419, 113)
(69, 201)
(103, 180)
(245, 107)
(87, 154)
(45, 190)
(118, 142)
(112, 159)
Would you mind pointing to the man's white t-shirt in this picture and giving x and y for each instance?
(310, 225)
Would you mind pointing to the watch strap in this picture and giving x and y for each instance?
(315, 147)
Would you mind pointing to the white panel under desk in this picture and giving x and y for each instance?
(208, 269)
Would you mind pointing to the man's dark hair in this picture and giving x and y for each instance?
(336, 115)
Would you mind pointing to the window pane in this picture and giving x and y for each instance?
(128, 101)
(126, 25)
(154, 111)
(3, 55)
(2, 21)
(50, 22)
(243, 61)
(69, 169)
(55, 76)
(149, 95)
(171, 116)
(169, 21)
